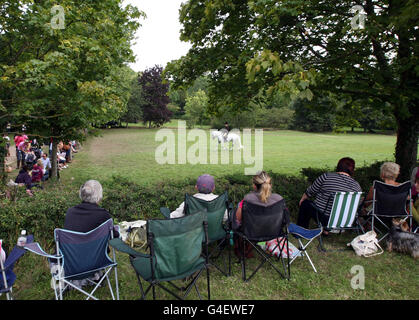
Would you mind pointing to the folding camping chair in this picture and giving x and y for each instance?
(390, 202)
(176, 247)
(218, 231)
(344, 213)
(304, 238)
(260, 223)
(7, 276)
(80, 256)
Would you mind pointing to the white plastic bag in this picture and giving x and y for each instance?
(366, 245)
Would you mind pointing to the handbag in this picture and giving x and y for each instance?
(366, 245)
(134, 233)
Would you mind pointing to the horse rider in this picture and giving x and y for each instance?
(226, 130)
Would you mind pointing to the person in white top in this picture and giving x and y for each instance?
(205, 186)
(47, 166)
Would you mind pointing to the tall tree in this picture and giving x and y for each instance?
(155, 97)
(274, 44)
(135, 102)
(63, 69)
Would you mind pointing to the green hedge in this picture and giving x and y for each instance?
(127, 201)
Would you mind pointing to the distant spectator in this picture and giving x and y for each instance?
(46, 164)
(25, 179)
(19, 156)
(37, 172)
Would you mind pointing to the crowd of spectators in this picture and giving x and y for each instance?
(34, 165)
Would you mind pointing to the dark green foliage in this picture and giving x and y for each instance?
(128, 201)
(315, 116)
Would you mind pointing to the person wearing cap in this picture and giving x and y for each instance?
(205, 186)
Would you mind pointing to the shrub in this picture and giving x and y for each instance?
(127, 200)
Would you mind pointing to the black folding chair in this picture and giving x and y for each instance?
(389, 201)
(259, 224)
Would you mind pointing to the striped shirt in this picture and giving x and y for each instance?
(325, 187)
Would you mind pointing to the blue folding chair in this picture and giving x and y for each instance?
(308, 236)
(80, 256)
(7, 276)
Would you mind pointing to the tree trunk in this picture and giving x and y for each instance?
(3, 174)
(407, 145)
(54, 164)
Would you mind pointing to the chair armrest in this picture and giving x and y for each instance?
(120, 245)
(37, 249)
(166, 212)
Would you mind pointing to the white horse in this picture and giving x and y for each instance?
(230, 137)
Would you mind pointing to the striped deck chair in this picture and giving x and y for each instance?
(343, 215)
(344, 210)
(80, 256)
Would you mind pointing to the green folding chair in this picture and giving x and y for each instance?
(344, 213)
(219, 232)
(176, 247)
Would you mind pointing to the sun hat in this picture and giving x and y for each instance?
(205, 183)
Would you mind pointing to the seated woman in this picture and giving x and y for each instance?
(24, 179)
(37, 172)
(389, 172)
(323, 188)
(261, 195)
(205, 186)
(88, 215)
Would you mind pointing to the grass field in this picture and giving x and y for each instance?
(131, 153)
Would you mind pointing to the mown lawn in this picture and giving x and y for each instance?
(131, 153)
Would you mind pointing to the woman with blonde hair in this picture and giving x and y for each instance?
(261, 195)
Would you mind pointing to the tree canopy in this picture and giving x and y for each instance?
(155, 97)
(59, 80)
(305, 48)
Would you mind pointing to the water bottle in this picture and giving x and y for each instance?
(22, 239)
(2, 252)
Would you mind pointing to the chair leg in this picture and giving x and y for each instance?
(243, 259)
(208, 283)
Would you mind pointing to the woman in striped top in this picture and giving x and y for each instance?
(324, 189)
